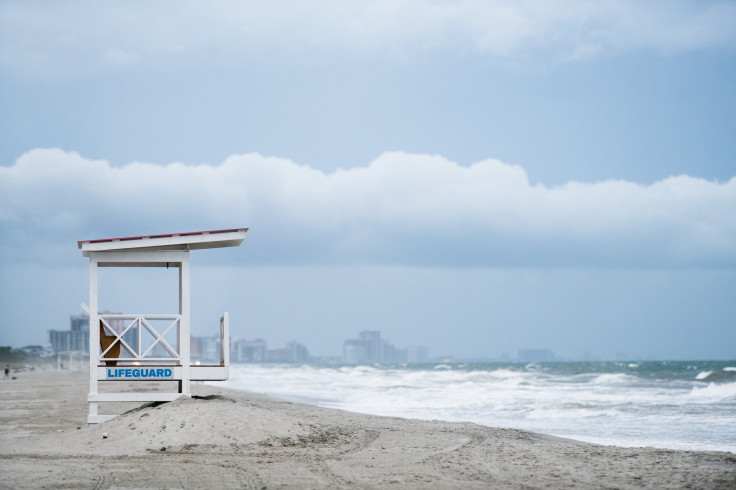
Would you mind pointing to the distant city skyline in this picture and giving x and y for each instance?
(368, 348)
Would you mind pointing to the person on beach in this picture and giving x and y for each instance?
(7, 371)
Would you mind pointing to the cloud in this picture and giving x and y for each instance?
(406, 209)
(36, 37)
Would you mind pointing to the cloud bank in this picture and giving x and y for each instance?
(404, 209)
(72, 35)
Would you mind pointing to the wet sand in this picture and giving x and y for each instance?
(227, 439)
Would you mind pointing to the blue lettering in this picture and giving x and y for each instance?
(139, 373)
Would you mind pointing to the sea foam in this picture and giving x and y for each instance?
(656, 404)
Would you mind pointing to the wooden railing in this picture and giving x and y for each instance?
(140, 324)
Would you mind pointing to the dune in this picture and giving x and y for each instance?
(227, 439)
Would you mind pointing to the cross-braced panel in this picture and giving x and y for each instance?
(140, 338)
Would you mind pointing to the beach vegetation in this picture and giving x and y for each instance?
(8, 354)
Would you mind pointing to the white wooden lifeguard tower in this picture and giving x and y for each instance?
(166, 355)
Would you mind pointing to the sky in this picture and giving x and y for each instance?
(476, 177)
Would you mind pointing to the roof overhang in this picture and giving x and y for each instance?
(176, 241)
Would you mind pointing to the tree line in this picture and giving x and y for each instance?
(8, 354)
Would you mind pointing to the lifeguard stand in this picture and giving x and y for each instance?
(166, 357)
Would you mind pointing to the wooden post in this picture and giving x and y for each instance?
(225, 339)
(184, 331)
(94, 336)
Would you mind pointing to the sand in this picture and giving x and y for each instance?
(227, 439)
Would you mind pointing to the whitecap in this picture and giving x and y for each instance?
(610, 404)
(703, 374)
(613, 379)
(713, 393)
(729, 368)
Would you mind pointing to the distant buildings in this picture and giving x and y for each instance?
(37, 351)
(207, 349)
(79, 323)
(536, 355)
(248, 350)
(202, 349)
(417, 355)
(369, 348)
(74, 339)
(292, 352)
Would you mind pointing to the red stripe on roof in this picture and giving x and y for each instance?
(189, 233)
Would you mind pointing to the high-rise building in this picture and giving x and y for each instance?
(256, 351)
(248, 350)
(79, 323)
(293, 352)
(210, 349)
(195, 348)
(77, 337)
(297, 352)
(372, 341)
(354, 352)
(370, 348)
(201, 349)
(417, 354)
(69, 340)
(390, 354)
(74, 339)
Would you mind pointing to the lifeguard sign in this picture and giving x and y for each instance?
(116, 352)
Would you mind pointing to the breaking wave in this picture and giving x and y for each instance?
(651, 404)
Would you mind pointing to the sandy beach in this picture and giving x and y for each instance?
(226, 439)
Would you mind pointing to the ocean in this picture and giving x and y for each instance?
(674, 404)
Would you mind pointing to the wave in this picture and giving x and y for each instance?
(714, 392)
(593, 402)
(616, 379)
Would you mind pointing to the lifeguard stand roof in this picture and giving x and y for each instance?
(175, 241)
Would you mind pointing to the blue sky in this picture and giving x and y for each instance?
(476, 177)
